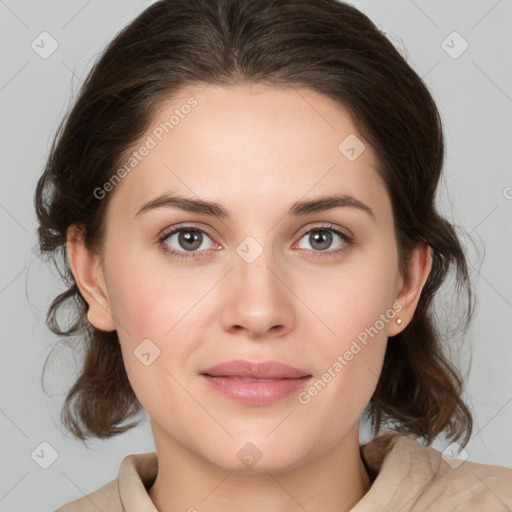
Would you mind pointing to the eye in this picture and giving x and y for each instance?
(185, 239)
(321, 238)
(186, 242)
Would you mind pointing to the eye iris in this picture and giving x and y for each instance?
(190, 240)
(323, 237)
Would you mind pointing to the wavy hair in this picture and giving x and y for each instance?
(325, 45)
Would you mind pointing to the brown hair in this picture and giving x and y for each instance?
(325, 45)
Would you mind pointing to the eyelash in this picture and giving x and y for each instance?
(181, 255)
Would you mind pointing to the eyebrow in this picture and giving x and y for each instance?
(297, 209)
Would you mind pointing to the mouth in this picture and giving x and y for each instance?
(267, 370)
(255, 383)
(245, 379)
(255, 391)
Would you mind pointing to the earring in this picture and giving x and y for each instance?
(399, 321)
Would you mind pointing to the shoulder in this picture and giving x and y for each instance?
(137, 473)
(422, 478)
(105, 498)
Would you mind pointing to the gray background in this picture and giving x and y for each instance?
(473, 92)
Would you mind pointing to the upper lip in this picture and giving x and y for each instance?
(264, 370)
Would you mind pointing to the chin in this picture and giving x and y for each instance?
(253, 457)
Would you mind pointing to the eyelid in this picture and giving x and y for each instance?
(167, 232)
(328, 226)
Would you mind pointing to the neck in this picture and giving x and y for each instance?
(333, 481)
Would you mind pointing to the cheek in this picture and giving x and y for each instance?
(148, 328)
(149, 301)
(157, 316)
(357, 297)
(350, 361)
(357, 305)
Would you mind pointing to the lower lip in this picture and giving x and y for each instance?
(256, 392)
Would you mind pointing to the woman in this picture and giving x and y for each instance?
(244, 194)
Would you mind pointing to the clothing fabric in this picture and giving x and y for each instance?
(406, 476)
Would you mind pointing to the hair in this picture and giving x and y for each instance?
(327, 46)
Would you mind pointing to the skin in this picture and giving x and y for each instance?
(256, 150)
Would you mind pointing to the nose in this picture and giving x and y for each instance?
(259, 298)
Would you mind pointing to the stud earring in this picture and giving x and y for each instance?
(399, 321)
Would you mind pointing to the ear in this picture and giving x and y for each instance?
(88, 274)
(410, 285)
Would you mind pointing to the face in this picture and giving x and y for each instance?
(314, 288)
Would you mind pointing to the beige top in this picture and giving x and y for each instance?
(406, 476)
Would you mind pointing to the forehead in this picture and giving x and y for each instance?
(248, 144)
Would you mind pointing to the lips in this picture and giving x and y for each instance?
(247, 371)
(255, 383)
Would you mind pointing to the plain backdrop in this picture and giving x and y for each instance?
(469, 75)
